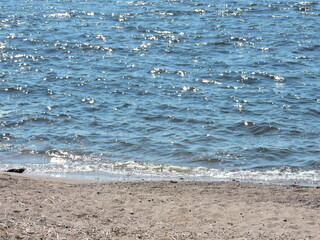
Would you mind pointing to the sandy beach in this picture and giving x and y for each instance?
(51, 208)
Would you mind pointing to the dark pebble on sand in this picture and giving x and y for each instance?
(16, 170)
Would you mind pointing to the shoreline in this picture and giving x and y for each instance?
(308, 178)
(34, 207)
(132, 170)
(123, 177)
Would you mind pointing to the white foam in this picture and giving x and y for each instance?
(59, 165)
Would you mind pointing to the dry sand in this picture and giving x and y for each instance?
(48, 208)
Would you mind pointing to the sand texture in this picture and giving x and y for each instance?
(47, 208)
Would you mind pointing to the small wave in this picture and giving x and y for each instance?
(59, 15)
(253, 127)
(306, 3)
(208, 160)
(37, 120)
(3, 45)
(310, 48)
(7, 136)
(17, 89)
(4, 113)
(89, 46)
(229, 13)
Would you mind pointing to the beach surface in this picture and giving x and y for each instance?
(53, 208)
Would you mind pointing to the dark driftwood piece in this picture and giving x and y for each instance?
(16, 170)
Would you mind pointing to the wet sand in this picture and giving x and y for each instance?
(50, 208)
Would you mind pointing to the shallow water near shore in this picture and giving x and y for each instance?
(161, 89)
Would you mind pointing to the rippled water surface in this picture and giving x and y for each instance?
(161, 88)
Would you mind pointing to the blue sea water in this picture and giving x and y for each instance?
(193, 89)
